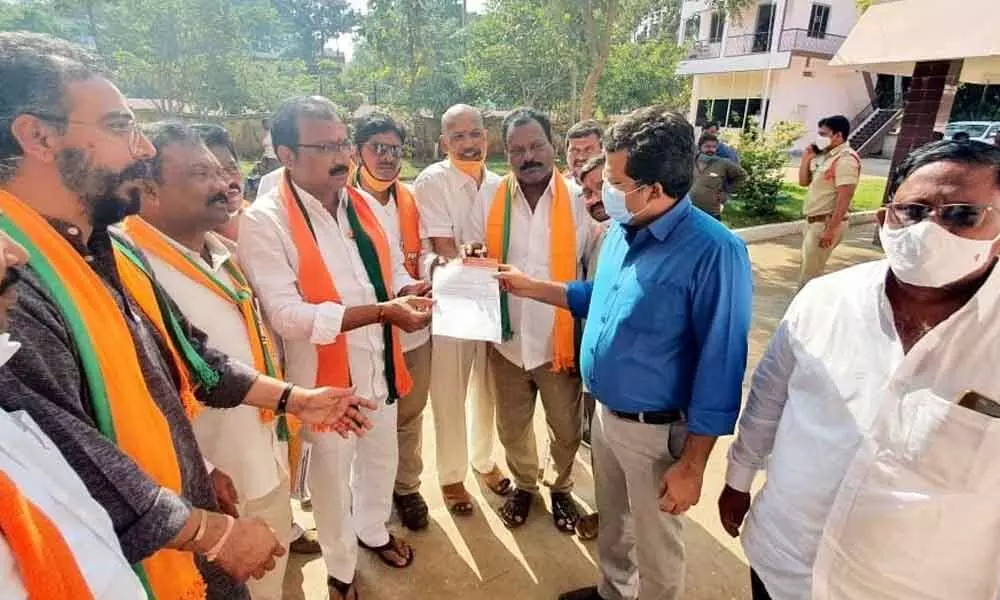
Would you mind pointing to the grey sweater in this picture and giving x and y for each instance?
(44, 379)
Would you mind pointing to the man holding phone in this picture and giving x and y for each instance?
(874, 409)
(831, 169)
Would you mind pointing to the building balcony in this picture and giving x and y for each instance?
(751, 43)
(705, 49)
(810, 43)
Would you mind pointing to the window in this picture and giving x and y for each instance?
(692, 29)
(720, 111)
(718, 24)
(818, 20)
(762, 31)
(737, 112)
(704, 112)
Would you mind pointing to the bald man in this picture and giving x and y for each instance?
(445, 192)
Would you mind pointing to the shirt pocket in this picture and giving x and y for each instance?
(652, 310)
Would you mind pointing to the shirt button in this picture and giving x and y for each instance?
(89, 258)
(604, 318)
(73, 231)
(615, 287)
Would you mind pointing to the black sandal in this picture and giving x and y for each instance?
(345, 591)
(395, 546)
(565, 514)
(412, 511)
(515, 510)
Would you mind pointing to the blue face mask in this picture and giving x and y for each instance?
(614, 203)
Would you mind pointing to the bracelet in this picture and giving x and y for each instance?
(283, 400)
(202, 527)
(380, 317)
(213, 552)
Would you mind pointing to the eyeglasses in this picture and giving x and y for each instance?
(949, 216)
(117, 126)
(330, 147)
(383, 150)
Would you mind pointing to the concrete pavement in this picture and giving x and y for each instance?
(477, 558)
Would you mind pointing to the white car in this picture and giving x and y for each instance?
(984, 131)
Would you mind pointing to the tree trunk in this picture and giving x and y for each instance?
(589, 92)
(600, 48)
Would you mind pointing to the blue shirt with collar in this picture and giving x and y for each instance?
(728, 152)
(668, 318)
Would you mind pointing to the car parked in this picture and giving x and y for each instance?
(984, 131)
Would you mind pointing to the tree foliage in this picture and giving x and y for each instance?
(641, 74)
(313, 23)
(763, 155)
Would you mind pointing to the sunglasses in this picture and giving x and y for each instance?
(949, 216)
(384, 150)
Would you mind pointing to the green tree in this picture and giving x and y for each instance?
(641, 74)
(763, 155)
(313, 23)
(518, 54)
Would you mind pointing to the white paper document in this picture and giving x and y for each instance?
(467, 301)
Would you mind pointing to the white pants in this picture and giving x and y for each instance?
(459, 380)
(362, 470)
(640, 548)
(276, 510)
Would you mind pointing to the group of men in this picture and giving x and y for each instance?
(167, 341)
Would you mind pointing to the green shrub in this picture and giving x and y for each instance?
(763, 155)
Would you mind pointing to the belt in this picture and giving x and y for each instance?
(663, 417)
(819, 219)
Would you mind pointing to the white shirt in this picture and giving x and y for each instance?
(269, 181)
(834, 362)
(445, 197)
(388, 216)
(530, 251)
(270, 260)
(32, 461)
(233, 439)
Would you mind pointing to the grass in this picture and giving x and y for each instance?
(868, 196)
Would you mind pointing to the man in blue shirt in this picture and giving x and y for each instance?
(725, 150)
(664, 350)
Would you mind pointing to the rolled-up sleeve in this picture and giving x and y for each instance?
(435, 220)
(721, 311)
(43, 379)
(578, 295)
(264, 253)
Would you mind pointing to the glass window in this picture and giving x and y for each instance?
(819, 18)
(718, 24)
(737, 110)
(692, 29)
(720, 111)
(704, 112)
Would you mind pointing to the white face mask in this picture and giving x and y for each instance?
(7, 348)
(928, 255)
(823, 143)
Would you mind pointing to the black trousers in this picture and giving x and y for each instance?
(757, 589)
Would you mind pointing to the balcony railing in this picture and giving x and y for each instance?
(810, 42)
(705, 49)
(751, 43)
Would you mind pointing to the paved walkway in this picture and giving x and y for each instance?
(477, 558)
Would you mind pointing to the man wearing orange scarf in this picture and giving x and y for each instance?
(107, 369)
(535, 219)
(378, 144)
(55, 540)
(463, 406)
(336, 290)
(185, 199)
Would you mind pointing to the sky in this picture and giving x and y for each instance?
(345, 43)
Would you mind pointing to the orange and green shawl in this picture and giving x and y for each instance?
(125, 412)
(317, 286)
(409, 218)
(44, 560)
(562, 258)
(242, 298)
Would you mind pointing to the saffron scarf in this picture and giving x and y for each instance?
(44, 560)
(409, 218)
(124, 409)
(562, 258)
(242, 298)
(317, 286)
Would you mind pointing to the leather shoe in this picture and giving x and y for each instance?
(587, 593)
(307, 543)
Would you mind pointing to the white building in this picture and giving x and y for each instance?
(772, 62)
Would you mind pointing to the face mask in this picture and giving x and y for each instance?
(928, 255)
(7, 348)
(614, 203)
(823, 143)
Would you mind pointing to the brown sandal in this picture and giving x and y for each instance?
(343, 591)
(395, 546)
(495, 480)
(457, 499)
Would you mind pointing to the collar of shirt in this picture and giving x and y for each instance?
(661, 227)
(218, 251)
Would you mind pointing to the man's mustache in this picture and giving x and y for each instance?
(338, 170)
(531, 165)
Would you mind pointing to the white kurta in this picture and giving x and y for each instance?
(530, 251)
(233, 439)
(32, 461)
(870, 463)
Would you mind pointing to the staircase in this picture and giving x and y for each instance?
(870, 126)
